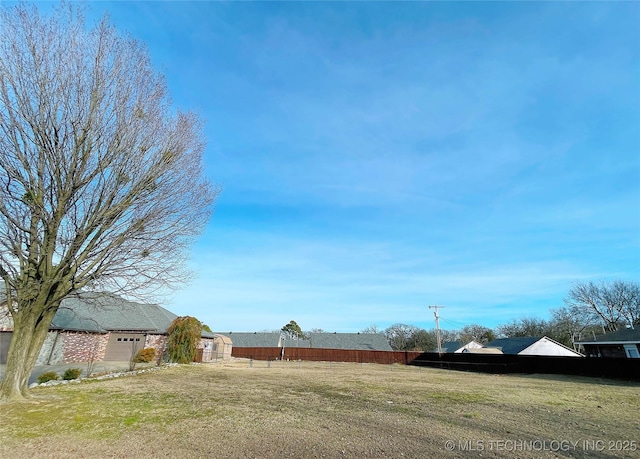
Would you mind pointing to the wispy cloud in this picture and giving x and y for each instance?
(380, 157)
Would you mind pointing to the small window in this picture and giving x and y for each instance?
(137, 339)
(632, 351)
(119, 339)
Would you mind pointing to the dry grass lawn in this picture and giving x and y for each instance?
(309, 410)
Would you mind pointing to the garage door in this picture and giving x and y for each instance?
(5, 341)
(122, 346)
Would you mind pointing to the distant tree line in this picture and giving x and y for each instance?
(590, 309)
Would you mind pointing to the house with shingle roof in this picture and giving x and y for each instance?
(623, 343)
(105, 327)
(531, 346)
(106, 312)
(457, 347)
(255, 339)
(350, 341)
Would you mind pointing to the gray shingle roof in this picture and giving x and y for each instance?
(451, 346)
(624, 335)
(512, 345)
(105, 312)
(255, 339)
(353, 341)
(296, 343)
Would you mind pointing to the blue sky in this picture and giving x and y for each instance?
(380, 157)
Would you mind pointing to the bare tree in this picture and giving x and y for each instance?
(570, 324)
(422, 340)
(477, 333)
(101, 181)
(526, 326)
(372, 329)
(399, 335)
(616, 304)
(136, 346)
(93, 353)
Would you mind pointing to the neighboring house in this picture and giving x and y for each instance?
(457, 347)
(104, 327)
(618, 344)
(482, 350)
(255, 339)
(351, 341)
(531, 346)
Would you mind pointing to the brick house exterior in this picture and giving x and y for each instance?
(98, 327)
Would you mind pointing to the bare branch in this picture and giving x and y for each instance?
(101, 183)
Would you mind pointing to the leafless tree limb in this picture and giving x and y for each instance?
(101, 183)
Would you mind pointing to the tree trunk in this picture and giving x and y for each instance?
(30, 327)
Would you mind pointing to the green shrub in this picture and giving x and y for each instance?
(72, 373)
(145, 355)
(48, 376)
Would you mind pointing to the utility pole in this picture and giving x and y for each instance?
(435, 313)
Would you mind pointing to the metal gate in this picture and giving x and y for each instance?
(123, 346)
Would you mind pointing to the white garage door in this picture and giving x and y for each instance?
(122, 346)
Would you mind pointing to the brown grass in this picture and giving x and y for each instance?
(306, 410)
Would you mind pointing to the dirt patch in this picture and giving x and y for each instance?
(307, 410)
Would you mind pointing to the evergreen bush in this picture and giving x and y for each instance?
(48, 376)
(71, 373)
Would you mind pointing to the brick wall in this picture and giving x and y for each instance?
(84, 347)
(6, 322)
(159, 343)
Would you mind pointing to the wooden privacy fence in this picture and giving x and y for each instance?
(487, 363)
(324, 355)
